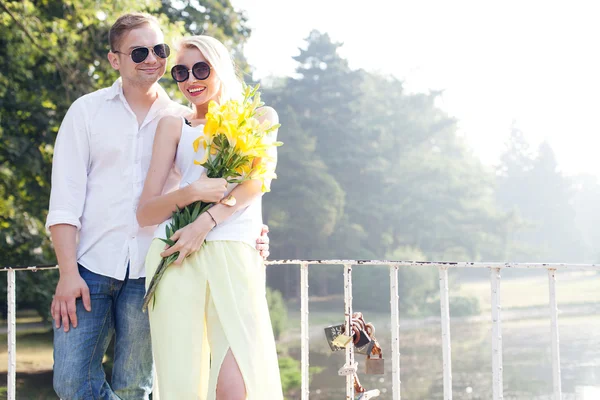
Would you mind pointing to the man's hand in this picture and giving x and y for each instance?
(262, 243)
(69, 288)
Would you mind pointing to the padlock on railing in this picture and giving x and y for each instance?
(374, 364)
(368, 395)
(363, 339)
(335, 337)
(361, 335)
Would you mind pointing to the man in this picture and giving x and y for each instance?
(101, 158)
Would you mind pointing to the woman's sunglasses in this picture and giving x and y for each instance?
(139, 54)
(200, 70)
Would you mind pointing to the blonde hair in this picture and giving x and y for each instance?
(126, 23)
(220, 61)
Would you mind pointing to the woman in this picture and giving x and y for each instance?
(210, 325)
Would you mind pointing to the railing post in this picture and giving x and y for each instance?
(348, 318)
(395, 327)
(446, 342)
(12, 336)
(554, 329)
(304, 330)
(496, 336)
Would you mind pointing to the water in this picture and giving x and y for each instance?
(526, 356)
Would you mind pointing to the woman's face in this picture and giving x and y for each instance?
(198, 92)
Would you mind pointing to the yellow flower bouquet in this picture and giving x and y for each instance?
(235, 147)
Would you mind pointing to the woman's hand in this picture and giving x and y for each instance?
(208, 190)
(189, 238)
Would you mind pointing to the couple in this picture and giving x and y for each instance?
(123, 162)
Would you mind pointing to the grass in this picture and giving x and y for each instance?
(34, 360)
(525, 293)
(572, 288)
(34, 351)
(34, 346)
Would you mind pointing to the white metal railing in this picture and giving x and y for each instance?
(443, 267)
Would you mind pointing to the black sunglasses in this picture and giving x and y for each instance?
(139, 54)
(181, 73)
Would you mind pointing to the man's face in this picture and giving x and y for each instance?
(147, 72)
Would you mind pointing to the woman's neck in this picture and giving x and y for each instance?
(201, 111)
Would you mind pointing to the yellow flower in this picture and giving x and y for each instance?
(230, 131)
(244, 171)
(210, 128)
(236, 142)
(204, 158)
(199, 140)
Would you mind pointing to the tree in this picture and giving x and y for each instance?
(406, 178)
(550, 206)
(305, 206)
(52, 52)
(539, 199)
(586, 200)
(215, 18)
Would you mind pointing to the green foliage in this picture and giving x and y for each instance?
(416, 285)
(278, 311)
(463, 306)
(369, 169)
(541, 203)
(289, 369)
(291, 377)
(215, 18)
(52, 52)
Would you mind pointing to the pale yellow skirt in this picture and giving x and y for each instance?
(214, 301)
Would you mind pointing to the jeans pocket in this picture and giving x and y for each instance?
(98, 285)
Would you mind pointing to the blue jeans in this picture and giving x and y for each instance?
(78, 353)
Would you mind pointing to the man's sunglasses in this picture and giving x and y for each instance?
(200, 70)
(139, 54)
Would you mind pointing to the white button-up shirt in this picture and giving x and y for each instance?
(101, 158)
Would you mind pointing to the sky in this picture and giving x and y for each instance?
(532, 63)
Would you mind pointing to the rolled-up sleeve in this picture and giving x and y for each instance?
(70, 166)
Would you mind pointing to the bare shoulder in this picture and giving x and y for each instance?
(268, 114)
(170, 121)
(169, 126)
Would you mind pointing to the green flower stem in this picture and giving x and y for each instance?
(180, 219)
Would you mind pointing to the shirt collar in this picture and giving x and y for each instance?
(115, 89)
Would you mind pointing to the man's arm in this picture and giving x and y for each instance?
(67, 198)
(70, 284)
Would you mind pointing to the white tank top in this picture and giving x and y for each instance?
(244, 225)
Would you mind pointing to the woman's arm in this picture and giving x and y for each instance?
(190, 238)
(154, 207)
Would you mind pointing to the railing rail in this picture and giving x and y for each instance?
(495, 269)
